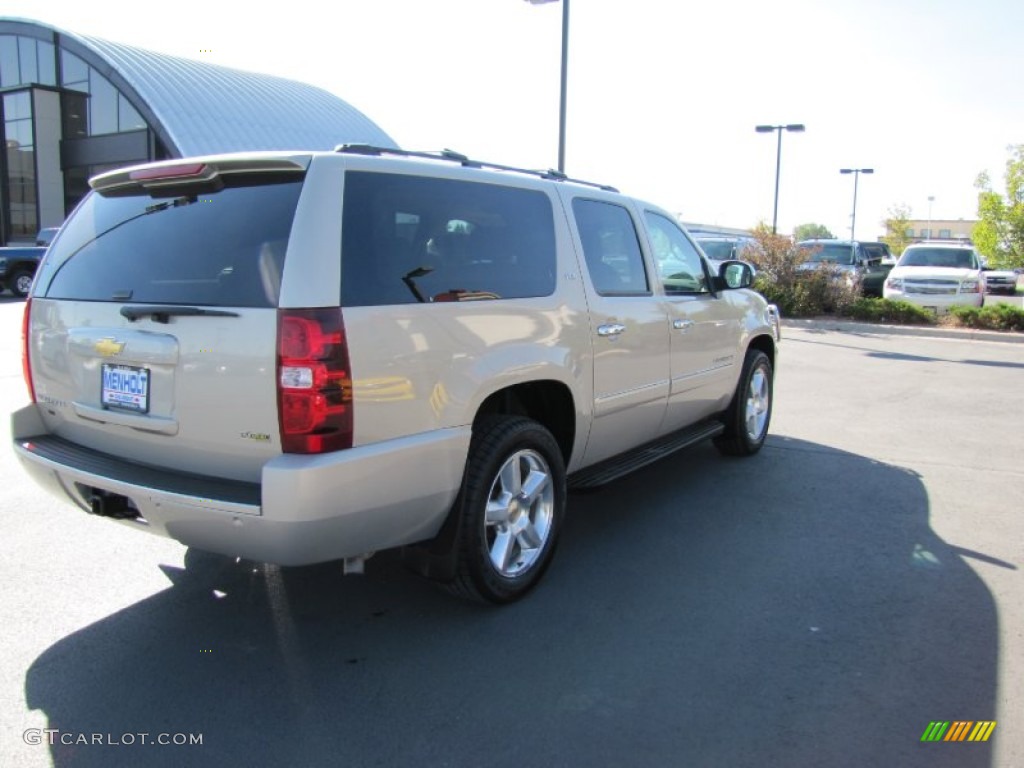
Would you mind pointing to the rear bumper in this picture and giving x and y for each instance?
(305, 509)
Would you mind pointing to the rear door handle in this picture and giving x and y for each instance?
(682, 325)
(610, 329)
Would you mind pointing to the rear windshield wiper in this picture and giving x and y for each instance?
(162, 313)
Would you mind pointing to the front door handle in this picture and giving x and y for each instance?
(682, 325)
(610, 329)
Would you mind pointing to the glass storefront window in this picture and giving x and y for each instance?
(102, 105)
(18, 106)
(47, 63)
(19, 133)
(27, 58)
(74, 72)
(73, 113)
(128, 119)
(9, 68)
(20, 193)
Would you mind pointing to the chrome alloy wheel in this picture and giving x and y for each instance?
(520, 511)
(755, 415)
(23, 284)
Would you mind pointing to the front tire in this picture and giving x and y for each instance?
(750, 412)
(511, 509)
(21, 283)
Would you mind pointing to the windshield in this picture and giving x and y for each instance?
(223, 248)
(719, 250)
(957, 258)
(830, 253)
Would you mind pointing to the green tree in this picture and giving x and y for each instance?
(798, 293)
(812, 231)
(999, 233)
(896, 227)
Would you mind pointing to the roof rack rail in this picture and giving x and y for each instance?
(457, 157)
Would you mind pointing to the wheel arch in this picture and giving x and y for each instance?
(548, 402)
(766, 344)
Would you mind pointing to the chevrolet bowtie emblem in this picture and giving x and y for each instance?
(108, 347)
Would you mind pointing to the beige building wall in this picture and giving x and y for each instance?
(940, 229)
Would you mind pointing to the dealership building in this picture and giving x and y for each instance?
(72, 106)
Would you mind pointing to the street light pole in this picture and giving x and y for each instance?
(856, 177)
(931, 199)
(795, 127)
(565, 78)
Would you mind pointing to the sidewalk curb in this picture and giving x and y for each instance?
(852, 326)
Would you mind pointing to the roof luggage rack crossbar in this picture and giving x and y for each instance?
(457, 157)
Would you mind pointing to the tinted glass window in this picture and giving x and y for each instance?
(957, 258)
(102, 105)
(127, 118)
(409, 239)
(611, 248)
(27, 57)
(719, 249)
(47, 65)
(831, 253)
(221, 249)
(9, 70)
(680, 266)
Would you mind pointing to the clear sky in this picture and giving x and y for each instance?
(663, 96)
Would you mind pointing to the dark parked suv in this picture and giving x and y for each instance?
(868, 262)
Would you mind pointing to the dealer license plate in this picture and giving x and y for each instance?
(125, 386)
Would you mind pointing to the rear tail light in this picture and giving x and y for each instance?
(26, 365)
(314, 383)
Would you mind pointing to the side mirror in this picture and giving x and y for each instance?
(734, 274)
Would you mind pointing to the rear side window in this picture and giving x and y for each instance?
(611, 248)
(410, 239)
(224, 248)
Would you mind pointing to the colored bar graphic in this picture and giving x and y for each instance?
(958, 730)
(982, 731)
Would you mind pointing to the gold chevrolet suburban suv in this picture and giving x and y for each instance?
(301, 357)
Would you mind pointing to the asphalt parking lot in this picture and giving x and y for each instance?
(819, 604)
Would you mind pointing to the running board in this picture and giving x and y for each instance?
(617, 466)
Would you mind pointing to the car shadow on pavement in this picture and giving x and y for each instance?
(793, 609)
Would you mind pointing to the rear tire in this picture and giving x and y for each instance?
(510, 509)
(750, 412)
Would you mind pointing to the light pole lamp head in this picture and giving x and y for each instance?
(796, 127)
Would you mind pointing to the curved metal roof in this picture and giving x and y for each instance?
(208, 109)
(199, 108)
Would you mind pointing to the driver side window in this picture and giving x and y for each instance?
(680, 267)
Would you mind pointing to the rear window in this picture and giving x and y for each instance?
(409, 239)
(224, 248)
